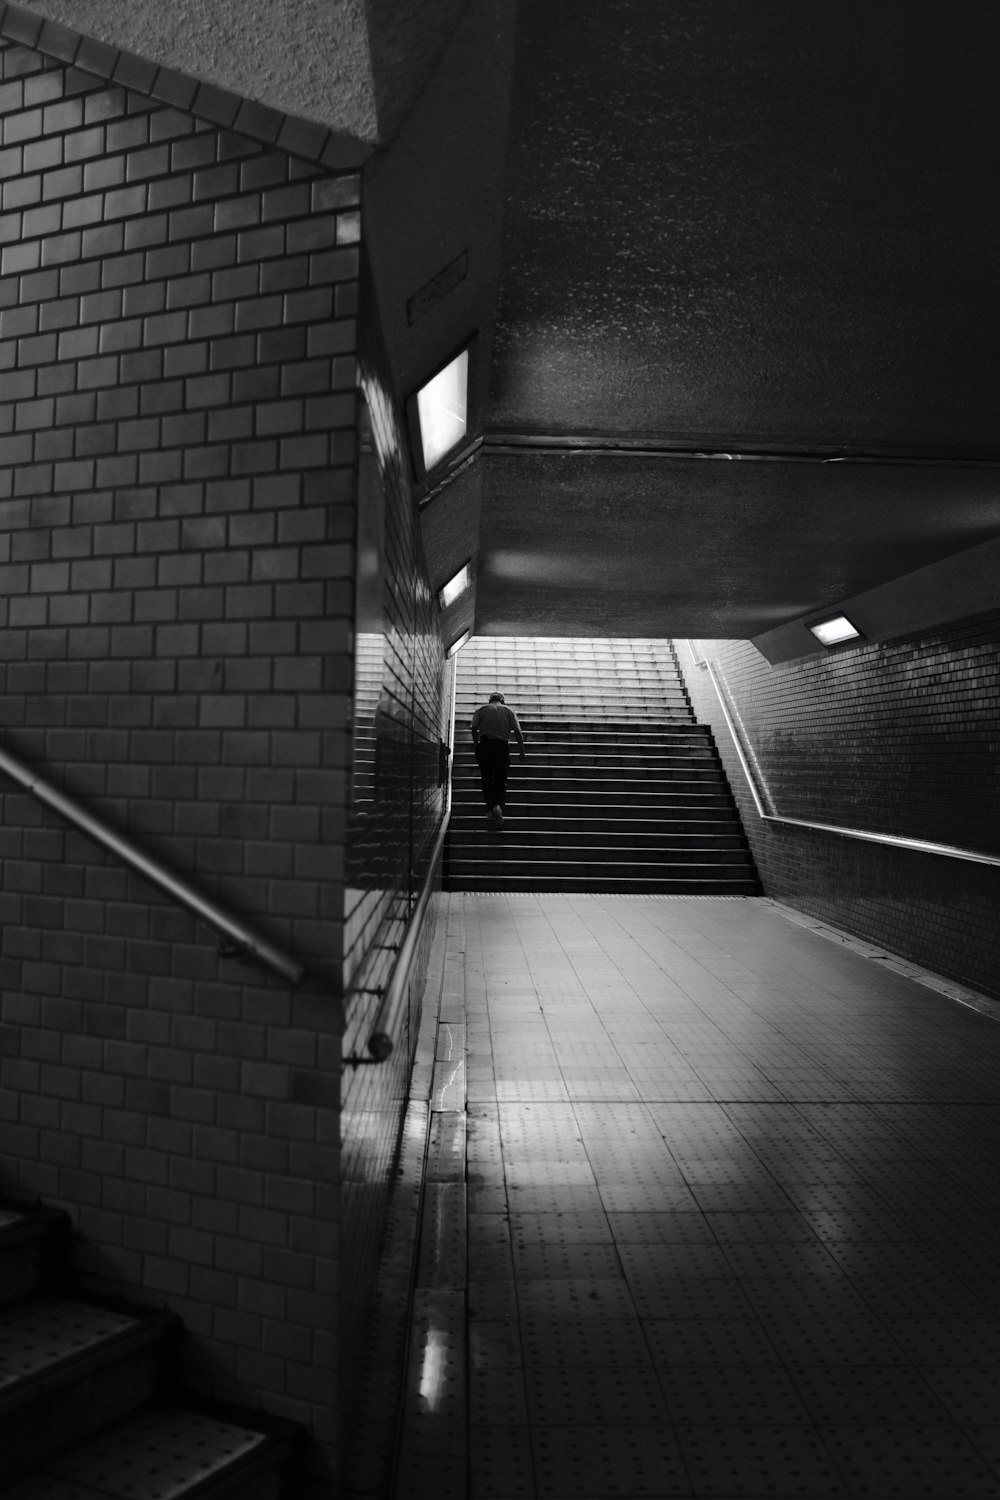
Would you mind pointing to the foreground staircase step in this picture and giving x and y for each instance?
(33, 1243)
(67, 1369)
(167, 1454)
(90, 1400)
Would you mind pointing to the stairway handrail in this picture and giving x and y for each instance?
(232, 929)
(381, 1040)
(898, 841)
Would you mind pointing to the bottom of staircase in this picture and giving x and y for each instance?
(91, 1404)
(607, 886)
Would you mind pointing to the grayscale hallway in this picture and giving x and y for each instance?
(710, 1209)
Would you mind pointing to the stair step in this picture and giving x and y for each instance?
(33, 1242)
(68, 1368)
(168, 1452)
(621, 790)
(648, 795)
(584, 773)
(612, 732)
(544, 861)
(721, 824)
(555, 757)
(468, 842)
(603, 884)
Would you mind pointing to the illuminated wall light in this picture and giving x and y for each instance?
(832, 632)
(457, 645)
(456, 586)
(442, 407)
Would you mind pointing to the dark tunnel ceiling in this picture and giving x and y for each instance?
(731, 228)
(719, 549)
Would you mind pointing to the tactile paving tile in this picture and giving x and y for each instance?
(555, 1260)
(865, 1224)
(739, 1197)
(560, 1229)
(748, 1228)
(575, 1299)
(594, 1395)
(494, 1343)
(970, 1394)
(733, 1395)
(678, 1228)
(497, 1396)
(759, 1459)
(893, 1297)
(702, 1297)
(547, 1174)
(531, 1089)
(501, 1466)
(911, 1461)
(773, 1258)
(490, 1260)
(892, 1258)
(492, 1300)
(157, 1455)
(838, 1395)
(708, 1341)
(40, 1332)
(652, 1267)
(529, 1198)
(588, 1089)
(933, 1341)
(986, 1441)
(607, 1460)
(563, 1342)
(834, 1339)
(661, 1198)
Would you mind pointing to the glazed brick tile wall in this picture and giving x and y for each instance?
(177, 523)
(897, 737)
(396, 812)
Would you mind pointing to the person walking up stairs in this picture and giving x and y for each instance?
(623, 791)
(492, 726)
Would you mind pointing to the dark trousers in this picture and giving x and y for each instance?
(494, 764)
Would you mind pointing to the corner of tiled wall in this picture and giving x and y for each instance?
(895, 737)
(178, 315)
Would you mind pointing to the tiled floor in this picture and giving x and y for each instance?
(712, 1208)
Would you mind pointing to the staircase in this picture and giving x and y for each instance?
(89, 1401)
(621, 790)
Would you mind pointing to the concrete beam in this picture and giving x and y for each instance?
(355, 66)
(954, 588)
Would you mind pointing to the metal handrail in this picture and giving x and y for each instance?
(381, 1041)
(123, 849)
(898, 841)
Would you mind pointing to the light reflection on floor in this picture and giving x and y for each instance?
(711, 1209)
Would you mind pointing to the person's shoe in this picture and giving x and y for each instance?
(497, 815)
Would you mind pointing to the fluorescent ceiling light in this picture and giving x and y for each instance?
(442, 410)
(832, 632)
(455, 586)
(457, 645)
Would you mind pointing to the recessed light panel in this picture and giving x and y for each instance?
(455, 587)
(459, 643)
(832, 632)
(442, 409)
